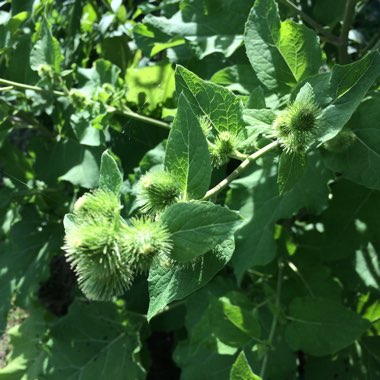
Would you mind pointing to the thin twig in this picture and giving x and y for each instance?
(329, 37)
(349, 14)
(272, 331)
(124, 112)
(223, 184)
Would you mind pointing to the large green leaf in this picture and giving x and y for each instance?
(210, 26)
(280, 52)
(240, 78)
(150, 87)
(28, 341)
(46, 51)
(290, 170)
(187, 155)
(320, 327)
(110, 177)
(197, 228)
(357, 156)
(241, 369)
(25, 262)
(170, 284)
(217, 104)
(95, 340)
(345, 229)
(347, 86)
(68, 161)
(257, 198)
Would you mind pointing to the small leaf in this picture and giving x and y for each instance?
(46, 51)
(290, 169)
(197, 228)
(320, 327)
(241, 369)
(110, 177)
(187, 155)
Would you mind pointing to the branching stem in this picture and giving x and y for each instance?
(124, 112)
(273, 328)
(223, 184)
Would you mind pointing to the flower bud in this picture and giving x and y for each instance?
(96, 204)
(146, 239)
(341, 142)
(97, 254)
(157, 190)
(297, 125)
(223, 147)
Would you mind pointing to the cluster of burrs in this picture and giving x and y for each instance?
(105, 251)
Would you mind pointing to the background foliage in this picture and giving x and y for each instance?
(294, 294)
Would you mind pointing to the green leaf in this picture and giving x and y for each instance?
(233, 319)
(86, 130)
(280, 52)
(240, 78)
(345, 229)
(217, 104)
(197, 228)
(356, 152)
(187, 155)
(290, 170)
(46, 51)
(367, 266)
(214, 26)
(150, 87)
(347, 86)
(257, 198)
(91, 80)
(170, 284)
(68, 161)
(110, 177)
(241, 369)
(94, 341)
(25, 262)
(321, 327)
(28, 354)
(300, 49)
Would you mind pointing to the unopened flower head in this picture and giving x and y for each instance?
(341, 142)
(98, 203)
(224, 145)
(157, 190)
(145, 239)
(97, 254)
(296, 127)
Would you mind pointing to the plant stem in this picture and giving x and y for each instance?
(223, 184)
(125, 112)
(28, 87)
(349, 14)
(238, 156)
(331, 38)
(272, 331)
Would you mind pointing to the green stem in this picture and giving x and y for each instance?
(223, 184)
(125, 112)
(331, 38)
(29, 87)
(238, 156)
(273, 328)
(349, 14)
